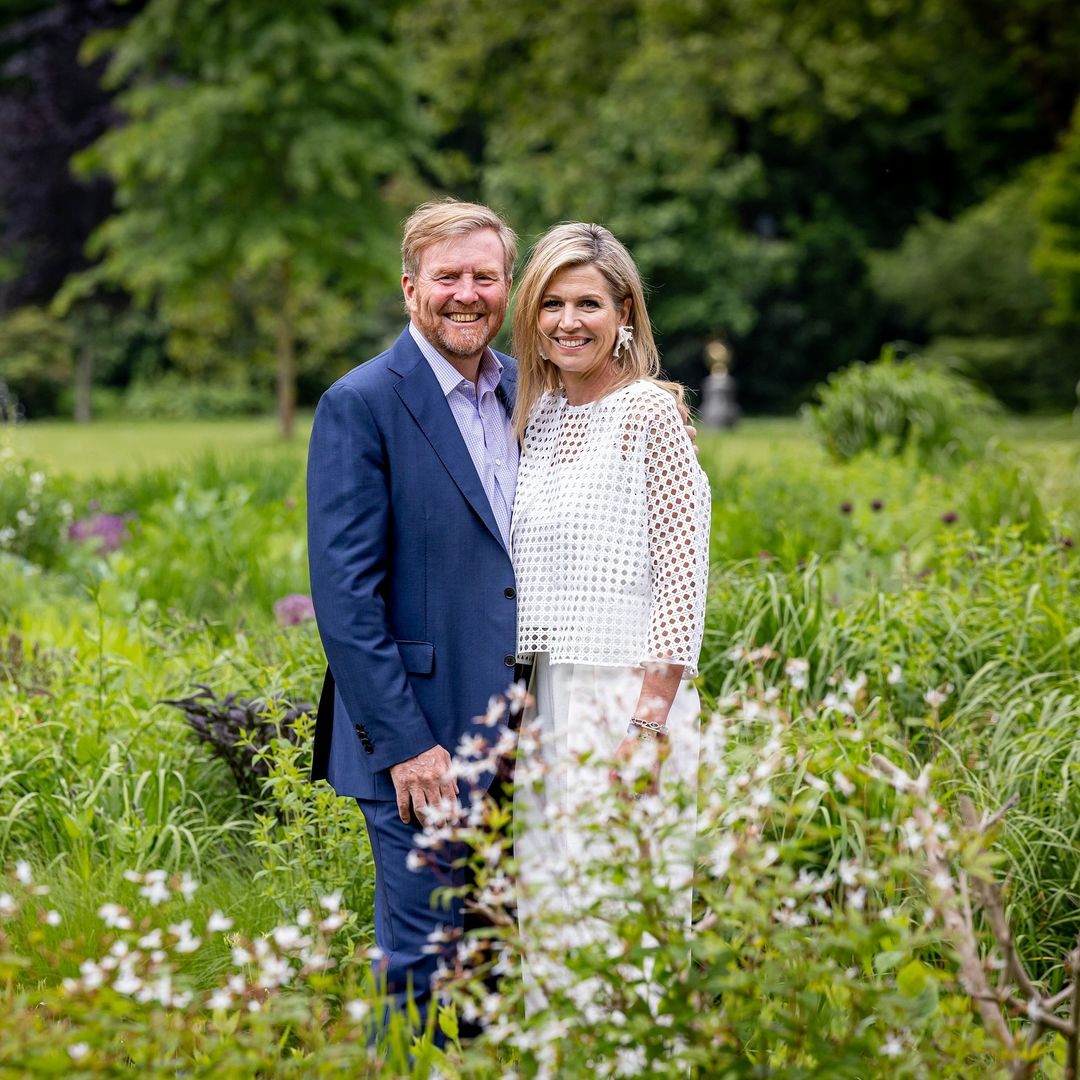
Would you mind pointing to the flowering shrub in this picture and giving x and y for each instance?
(34, 512)
(286, 1003)
(828, 888)
(820, 944)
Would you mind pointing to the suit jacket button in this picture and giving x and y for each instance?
(361, 734)
(508, 659)
(509, 592)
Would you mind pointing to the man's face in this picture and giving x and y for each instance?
(459, 295)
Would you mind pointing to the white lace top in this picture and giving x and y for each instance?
(610, 532)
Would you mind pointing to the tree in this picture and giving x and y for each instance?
(750, 152)
(50, 107)
(970, 283)
(255, 173)
(1057, 256)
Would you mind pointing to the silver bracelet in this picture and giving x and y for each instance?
(646, 729)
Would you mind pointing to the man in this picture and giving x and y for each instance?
(411, 475)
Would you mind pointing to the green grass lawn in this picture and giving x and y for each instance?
(109, 448)
(112, 447)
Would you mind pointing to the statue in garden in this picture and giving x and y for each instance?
(718, 406)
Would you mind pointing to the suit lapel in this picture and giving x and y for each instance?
(421, 394)
(507, 388)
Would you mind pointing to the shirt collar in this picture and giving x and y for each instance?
(449, 377)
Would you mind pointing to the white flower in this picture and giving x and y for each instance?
(7, 534)
(287, 937)
(114, 917)
(151, 940)
(22, 872)
(851, 687)
(132, 876)
(24, 519)
(895, 675)
(77, 1051)
(333, 922)
(53, 918)
(843, 784)
(156, 892)
(892, 1047)
(274, 971)
(240, 956)
(92, 974)
(219, 999)
(849, 872)
(331, 902)
(357, 1009)
(942, 880)
(127, 982)
(7, 905)
(937, 696)
(187, 886)
(797, 671)
(218, 923)
(186, 941)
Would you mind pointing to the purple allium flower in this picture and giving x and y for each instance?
(846, 507)
(949, 517)
(109, 530)
(293, 609)
(876, 505)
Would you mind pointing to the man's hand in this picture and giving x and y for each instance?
(688, 427)
(422, 781)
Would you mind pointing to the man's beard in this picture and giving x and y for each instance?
(467, 340)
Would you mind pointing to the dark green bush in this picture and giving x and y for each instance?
(893, 405)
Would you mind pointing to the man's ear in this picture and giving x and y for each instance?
(408, 289)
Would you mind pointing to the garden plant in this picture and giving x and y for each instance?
(889, 859)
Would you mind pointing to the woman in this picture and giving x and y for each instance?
(610, 547)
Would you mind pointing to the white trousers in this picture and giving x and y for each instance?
(571, 835)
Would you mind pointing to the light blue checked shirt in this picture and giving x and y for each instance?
(484, 425)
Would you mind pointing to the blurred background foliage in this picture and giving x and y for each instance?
(211, 191)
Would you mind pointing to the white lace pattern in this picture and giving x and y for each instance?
(611, 532)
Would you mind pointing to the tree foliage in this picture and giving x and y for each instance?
(750, 153)
(51, 106)
(252, 173)
(1058, 254)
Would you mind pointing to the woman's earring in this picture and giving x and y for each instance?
(626, 336)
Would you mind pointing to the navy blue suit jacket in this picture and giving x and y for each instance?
(413, 588)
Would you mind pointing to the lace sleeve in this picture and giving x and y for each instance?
(678, 506)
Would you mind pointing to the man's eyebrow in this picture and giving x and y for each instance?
(438, 271)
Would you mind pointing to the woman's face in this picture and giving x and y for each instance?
(580, 321)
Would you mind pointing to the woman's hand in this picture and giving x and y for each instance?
(627, 750)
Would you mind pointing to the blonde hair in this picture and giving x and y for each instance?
(575, 243)
(432, 222)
